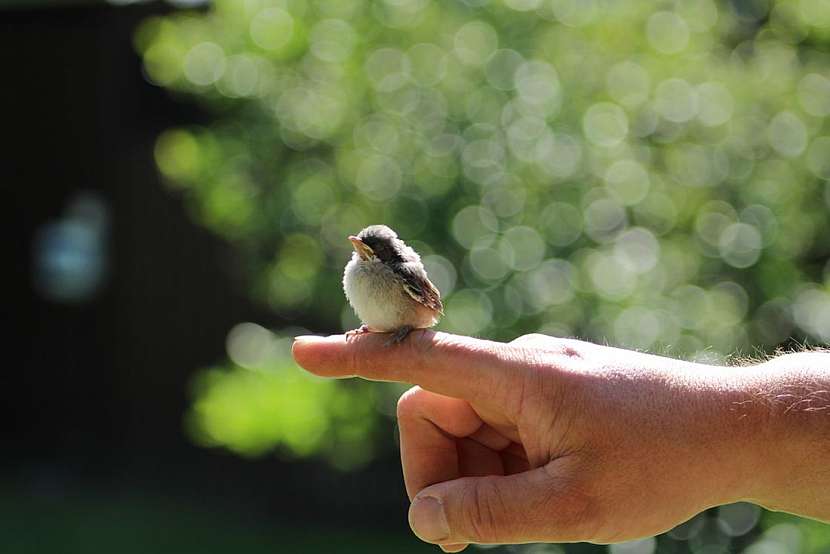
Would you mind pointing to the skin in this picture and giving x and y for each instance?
(556, 440)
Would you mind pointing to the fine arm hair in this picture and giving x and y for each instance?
(804, 387)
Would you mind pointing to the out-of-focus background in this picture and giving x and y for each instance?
(180, 178)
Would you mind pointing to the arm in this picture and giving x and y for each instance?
(791, 394)
(557, 440)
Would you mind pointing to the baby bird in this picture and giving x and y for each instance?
(387, 285)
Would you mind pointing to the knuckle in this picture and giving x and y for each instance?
(353, 360)
(431, 345)
(410, 402)
(550, 352)
(530, 338)
(569, 348)
(418, 348)
(422, 342)
(531, 357)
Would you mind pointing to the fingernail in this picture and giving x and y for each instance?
(307, 338)
(428, 520)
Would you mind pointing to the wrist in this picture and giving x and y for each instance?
(734, 429)
(781, 412)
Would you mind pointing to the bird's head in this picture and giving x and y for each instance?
(378, 241)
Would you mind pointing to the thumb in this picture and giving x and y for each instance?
(532, 506)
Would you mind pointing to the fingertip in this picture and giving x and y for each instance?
(308, 351)
(453, 547)
(343, 355)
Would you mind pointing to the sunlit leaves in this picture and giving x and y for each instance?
(262, 402)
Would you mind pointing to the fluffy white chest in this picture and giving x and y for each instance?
(379, 299)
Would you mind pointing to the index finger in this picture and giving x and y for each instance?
(451, 365)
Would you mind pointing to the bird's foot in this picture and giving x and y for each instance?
(359, 331)
(398, 336)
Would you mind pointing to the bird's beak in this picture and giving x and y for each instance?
(361, 248)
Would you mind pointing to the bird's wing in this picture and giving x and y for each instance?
(419, 287)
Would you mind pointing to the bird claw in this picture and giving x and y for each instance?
(398, 336)
(359, 331)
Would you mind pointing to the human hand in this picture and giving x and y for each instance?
(555, 440)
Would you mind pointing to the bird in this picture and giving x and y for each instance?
(387, 286)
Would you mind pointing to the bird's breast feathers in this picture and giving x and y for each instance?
(378, 296)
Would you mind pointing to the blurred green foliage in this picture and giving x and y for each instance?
(262, 401)
(653, 175)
